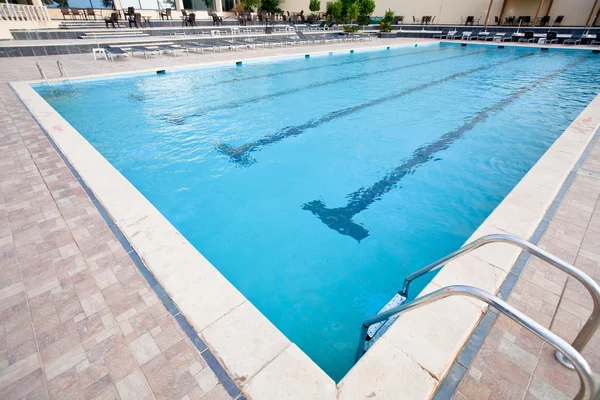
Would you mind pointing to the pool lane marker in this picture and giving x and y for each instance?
(241, 154)
(293, 71)
(340, 219)
(286, 92)
(297, 70)
(180, 119)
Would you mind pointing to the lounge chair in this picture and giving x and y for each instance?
(442, 35)
(274, 42)
(65, 12)
(527, 38)
(113, 19)
(114, 52)
(75, 13)
(485, 36)
(236, 44)
(166, 14)
(145, 50)
(573, 40)
(90, 13)
(169, 48)
(558, 20)
(474, 36)
(596, 41)
(453, 35)
(201, 47)
(499, 37)
(253, 43)
(466, 35)
(550, 38)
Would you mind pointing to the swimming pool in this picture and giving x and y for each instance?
(316, 185)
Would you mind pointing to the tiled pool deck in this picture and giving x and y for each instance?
(77, 319)
(80, 321)
(512, 363)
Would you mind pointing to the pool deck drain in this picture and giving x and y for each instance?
(78, 318)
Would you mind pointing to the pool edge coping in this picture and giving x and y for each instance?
(160, 256)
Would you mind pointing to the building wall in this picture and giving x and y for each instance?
(451, 11)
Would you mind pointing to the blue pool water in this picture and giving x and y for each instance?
(316, 185)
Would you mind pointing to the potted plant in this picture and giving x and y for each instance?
(385, 26)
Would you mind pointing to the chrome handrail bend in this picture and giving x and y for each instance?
(43, 74)
(587, 387)
(63, 71)
(591, 325)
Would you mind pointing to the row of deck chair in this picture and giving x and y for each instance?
(469, 35)
(227, 44)
(116, 52)
(528, 37)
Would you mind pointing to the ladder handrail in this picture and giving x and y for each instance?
(587, 388)
(63, 71)
(591, 325)
(43, 74)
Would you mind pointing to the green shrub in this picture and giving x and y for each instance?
(386, 22)
(350, 28)
(334, 10)
(352, 13)
(365, 9)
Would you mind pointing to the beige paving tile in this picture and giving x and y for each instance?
(376, 376)
(144, 348)
(297, 377)
(133, 387)
(64, 362)
(18, 370)
(245, 340)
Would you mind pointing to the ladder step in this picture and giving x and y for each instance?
(376, 330)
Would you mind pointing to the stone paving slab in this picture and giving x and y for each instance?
(77, 319)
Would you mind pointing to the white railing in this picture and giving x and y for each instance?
(22, 12)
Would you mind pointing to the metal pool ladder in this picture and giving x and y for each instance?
(63, 71)
(43, 74)
(568, 355)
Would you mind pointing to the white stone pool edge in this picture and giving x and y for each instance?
(411, 358)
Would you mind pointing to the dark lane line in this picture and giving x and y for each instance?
(244, 102)
(340, 218)
(293, 71)
(241, 154)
